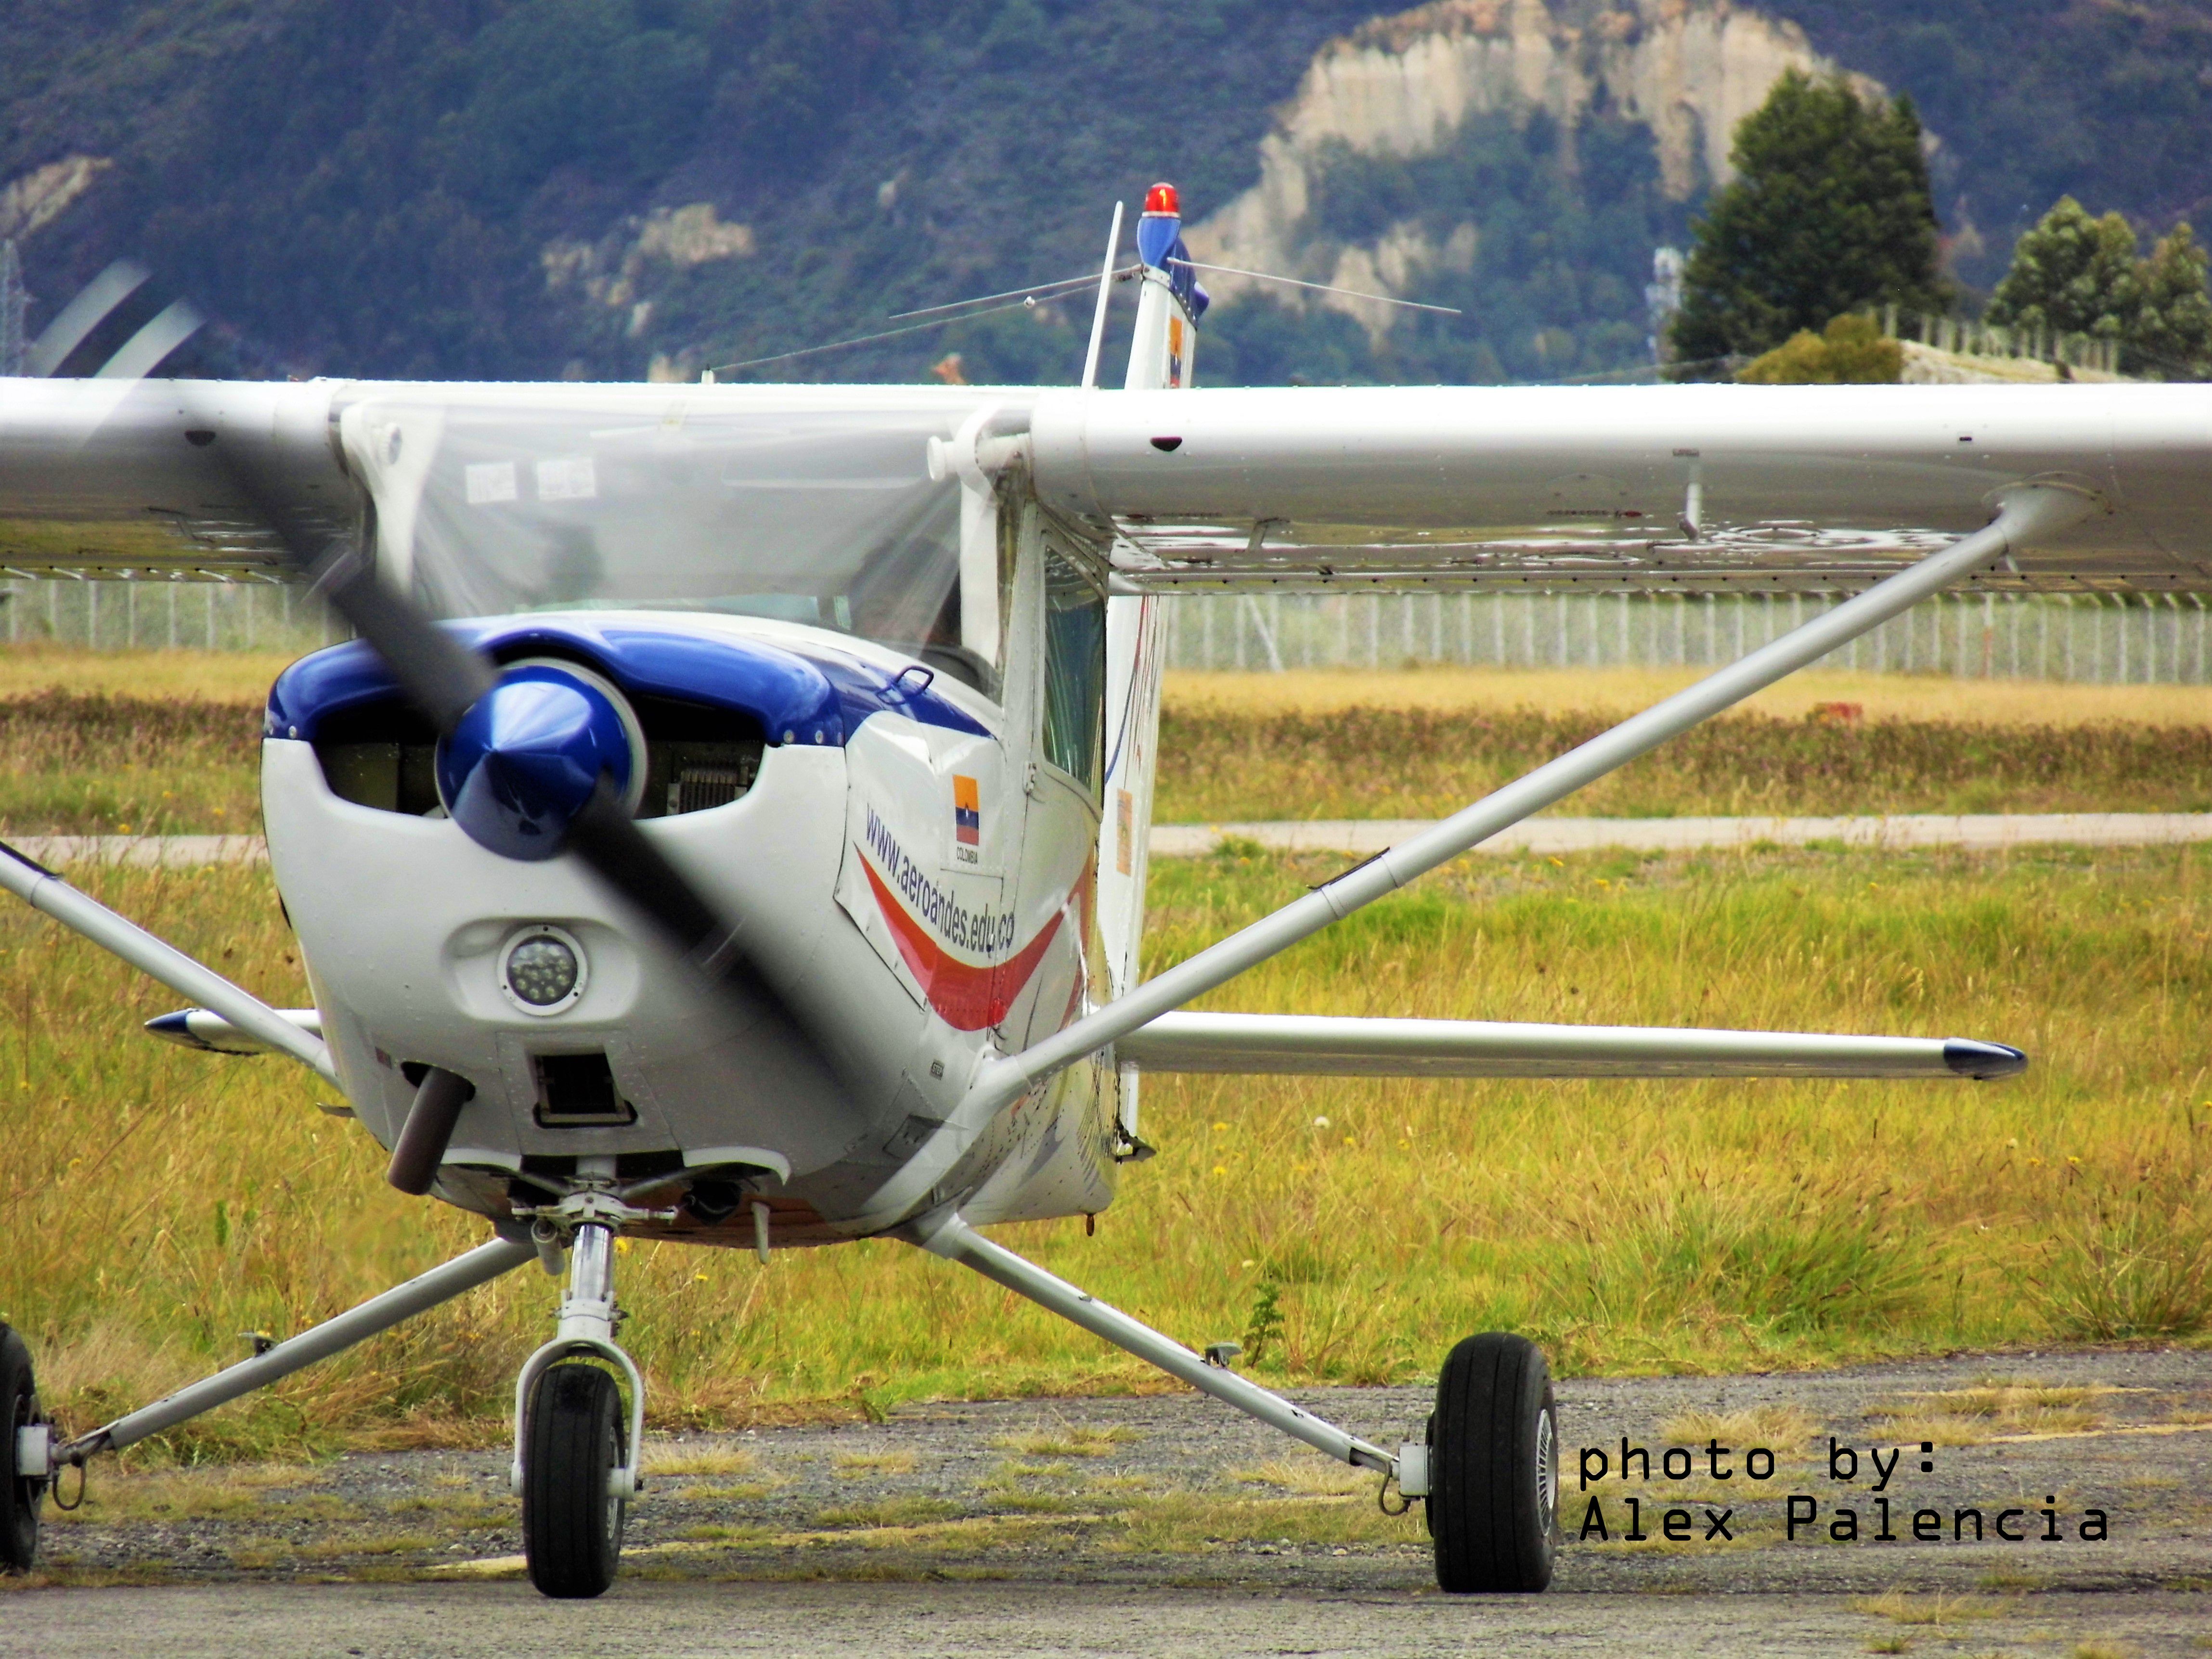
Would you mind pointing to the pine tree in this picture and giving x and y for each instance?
(2072, 275)
(1829, 212)
(2172, 336)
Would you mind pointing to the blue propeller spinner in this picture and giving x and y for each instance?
(525, 758)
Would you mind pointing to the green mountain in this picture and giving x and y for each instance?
(610, 188)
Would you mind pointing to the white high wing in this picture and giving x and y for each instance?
(760, 862)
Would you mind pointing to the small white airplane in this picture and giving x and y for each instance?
(763, 866)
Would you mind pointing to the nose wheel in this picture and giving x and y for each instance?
(1494, 1467)
(575, 1455)
(575, 1448)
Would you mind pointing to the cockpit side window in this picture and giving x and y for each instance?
(1074, 670)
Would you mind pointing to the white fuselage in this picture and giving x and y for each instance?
(917, 895)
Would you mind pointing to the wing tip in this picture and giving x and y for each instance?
(177, 1027)
(1982, 1060)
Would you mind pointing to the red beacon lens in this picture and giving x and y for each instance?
(1161, 198)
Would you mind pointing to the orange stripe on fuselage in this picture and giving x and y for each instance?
(969, 997)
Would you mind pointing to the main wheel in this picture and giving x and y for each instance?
(573, 1441)
(1494, 1467)
(19, 1409)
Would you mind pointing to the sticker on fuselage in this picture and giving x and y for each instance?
(967, 820)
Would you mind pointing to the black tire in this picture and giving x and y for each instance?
(18, 1406)
(1494, 1467)
(572, 1439)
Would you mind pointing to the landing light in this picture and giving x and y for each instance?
(541, 970)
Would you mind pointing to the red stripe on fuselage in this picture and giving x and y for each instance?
(969, 997)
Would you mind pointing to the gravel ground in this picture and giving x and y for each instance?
(1170, 1525)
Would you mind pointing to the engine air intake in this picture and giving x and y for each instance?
(578, 1091)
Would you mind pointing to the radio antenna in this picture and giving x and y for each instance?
(1105, 291)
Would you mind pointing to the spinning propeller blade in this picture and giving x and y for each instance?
(448, 682)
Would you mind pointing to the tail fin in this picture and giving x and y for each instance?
(1170, 301)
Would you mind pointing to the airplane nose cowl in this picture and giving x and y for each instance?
(527, 757)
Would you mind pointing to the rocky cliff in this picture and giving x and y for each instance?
(522, 188)
(1409, 85)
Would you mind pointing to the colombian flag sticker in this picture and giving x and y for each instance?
(966, 811)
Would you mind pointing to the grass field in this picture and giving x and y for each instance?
(1618, 691)
(241, 679)
(1422, 743)
(161, 1203)
(1384, 763)
(166, 742)
(98, 763)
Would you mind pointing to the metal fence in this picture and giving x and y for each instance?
(2105, 638)
(152, 616)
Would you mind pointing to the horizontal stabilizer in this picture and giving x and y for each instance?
(1325, 1046)
(196, 1028)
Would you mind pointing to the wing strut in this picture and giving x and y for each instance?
(42, 889)
(2030, 512)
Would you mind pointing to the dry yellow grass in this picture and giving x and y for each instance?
(238, 677)
(165, 1200)
(1780, 1428)
(1991, 1411)
(1901, 1608)
(1884, 696)
(888, 1462)
(245, 678)
(1310, 1476)
(1069, 1441)
(663, 1457)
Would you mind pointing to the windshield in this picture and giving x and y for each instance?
(783, 503)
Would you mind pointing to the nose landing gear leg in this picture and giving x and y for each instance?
(575, 1457)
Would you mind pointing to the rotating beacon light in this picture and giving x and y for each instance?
(1160, 246)
(1170, 301)
(1161, 227)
